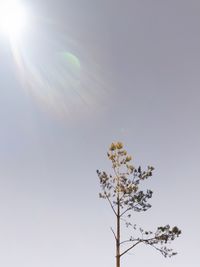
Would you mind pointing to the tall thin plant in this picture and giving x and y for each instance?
(122, 190)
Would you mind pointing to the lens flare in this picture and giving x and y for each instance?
(55, 69)
(72, 60)
(13, 18)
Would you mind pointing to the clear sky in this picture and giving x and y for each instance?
(84, 74)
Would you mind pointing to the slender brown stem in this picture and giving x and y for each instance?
(118, 235)
(118, 225)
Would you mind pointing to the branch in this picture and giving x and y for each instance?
(130, 248)
(159, 249)
(128, 240)
(140, 241)
(110, 204)
(125, 211)
(113, 233)
(164, 251)
(122, 197)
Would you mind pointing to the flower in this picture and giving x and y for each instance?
(119, 145)
(112, 147)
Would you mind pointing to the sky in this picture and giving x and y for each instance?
(83, 75)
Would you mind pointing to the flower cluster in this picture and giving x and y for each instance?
(125, 181)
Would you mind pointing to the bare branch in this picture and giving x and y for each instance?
(113, 233)
(128, 241)
(130, 248)
(125, 211)
(159, 249)
(110, 204)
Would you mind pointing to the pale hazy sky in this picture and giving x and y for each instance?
(84, 74)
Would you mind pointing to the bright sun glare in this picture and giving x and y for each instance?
(13, 18)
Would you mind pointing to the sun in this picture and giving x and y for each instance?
(13, 18)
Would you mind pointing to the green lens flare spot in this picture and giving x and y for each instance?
(72, 60)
